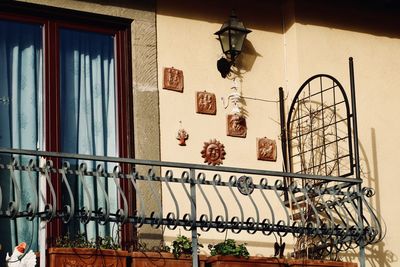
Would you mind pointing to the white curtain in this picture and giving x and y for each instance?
(88, 111)
(20, 118)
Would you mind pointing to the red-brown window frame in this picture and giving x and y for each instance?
(52, 19)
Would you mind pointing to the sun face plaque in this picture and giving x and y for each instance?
(173, 79)
(266, 149)
(236, 125)
(206, 103)
(213, 152)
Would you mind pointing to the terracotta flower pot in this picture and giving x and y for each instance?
(319, 263)
(80, 257)
(164, 259)
(232, 261)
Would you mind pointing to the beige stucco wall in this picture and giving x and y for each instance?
(185, 41)
(293, 41)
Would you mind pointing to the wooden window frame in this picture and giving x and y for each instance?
(52, 19)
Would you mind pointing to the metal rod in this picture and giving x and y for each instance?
(323, 127)
(336, 131)
(283, 137)
(193, 215)
(283, 129)
(177, 165)
(354, 117)
(311, 130)
(357, 161)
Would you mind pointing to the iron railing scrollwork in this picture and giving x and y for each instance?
(220, 198)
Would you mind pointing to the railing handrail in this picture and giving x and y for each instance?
(180, 165)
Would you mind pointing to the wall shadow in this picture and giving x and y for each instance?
(247, 58)
(259, 15)
(145, 5)
(376, 254)
(375, 17)
(380, 18)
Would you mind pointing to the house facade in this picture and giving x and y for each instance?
(140, 116)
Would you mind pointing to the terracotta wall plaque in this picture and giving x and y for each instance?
(206, 103)
(213, 152)
(236, 125)
(266, 149)
(173, 79)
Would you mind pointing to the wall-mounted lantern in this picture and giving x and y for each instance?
(231, 36)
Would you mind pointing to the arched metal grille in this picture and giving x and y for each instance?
(319, 131)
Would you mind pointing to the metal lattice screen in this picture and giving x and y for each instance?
(319, 131)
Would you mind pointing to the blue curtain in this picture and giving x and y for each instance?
(88, 111)
(20, 117)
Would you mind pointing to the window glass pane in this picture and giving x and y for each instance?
(21, 75)
(88, 115)
(20, 84)
(88, 112)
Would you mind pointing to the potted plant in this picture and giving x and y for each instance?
(179, 255)
(230, 254)
(79, 251)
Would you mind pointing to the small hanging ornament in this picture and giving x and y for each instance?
(182, 137)
(235, 97)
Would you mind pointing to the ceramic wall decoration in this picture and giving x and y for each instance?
(266, 149)
(173, 79)
(235, 98)
(245, 185)
(182, 137)
(236, 125)
(213, 152)
(206, 103)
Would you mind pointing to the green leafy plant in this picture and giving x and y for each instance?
(80, 241)
(229, 247)
(106, 242)
(182, 245)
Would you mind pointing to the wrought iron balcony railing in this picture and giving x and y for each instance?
(335, 212)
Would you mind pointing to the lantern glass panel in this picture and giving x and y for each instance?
(237, 40)
(224, 39)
